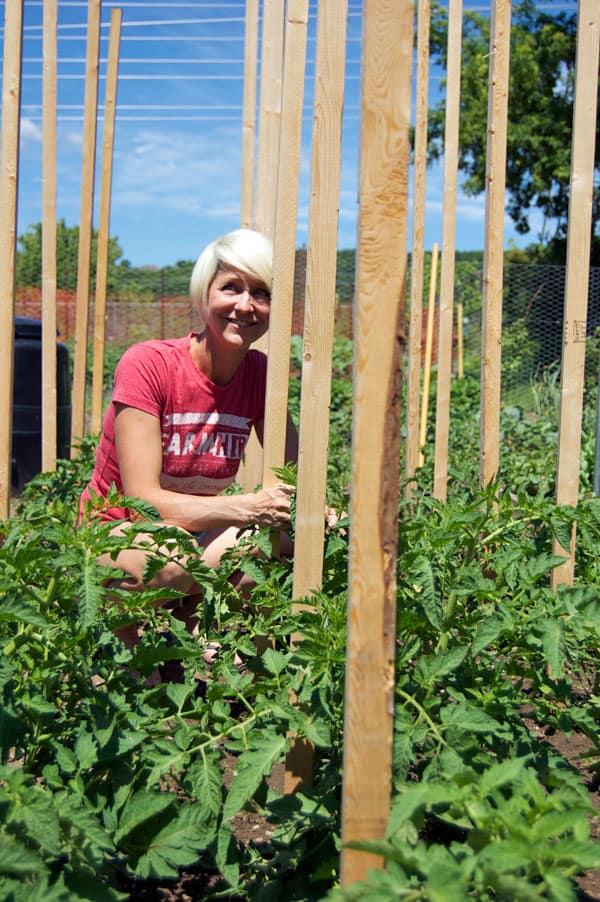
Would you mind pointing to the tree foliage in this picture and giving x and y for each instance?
(541, 91)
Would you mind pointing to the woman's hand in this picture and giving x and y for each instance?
(272, 506)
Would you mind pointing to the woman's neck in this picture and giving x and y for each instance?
(219, 365)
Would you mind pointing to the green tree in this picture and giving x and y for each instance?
(29, 257)
(542, 70)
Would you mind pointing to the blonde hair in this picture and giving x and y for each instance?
(243, 250)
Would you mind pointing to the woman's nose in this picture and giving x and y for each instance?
(244, 299)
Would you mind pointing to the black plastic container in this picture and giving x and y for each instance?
(27, 401)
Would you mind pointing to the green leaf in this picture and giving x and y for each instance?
(90, 590)
(440, 664)
(206, 779)
(177, 845)
(226, 855)
(501, 774)
(487, 632)
(468, 718)
(553, 642)
(86, 751)
(423, 578)
(16, 858)
(252, 767)
(275, 661)
(140, 807)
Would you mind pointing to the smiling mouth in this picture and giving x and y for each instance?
(242, 323)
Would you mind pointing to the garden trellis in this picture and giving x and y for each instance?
(381, 248)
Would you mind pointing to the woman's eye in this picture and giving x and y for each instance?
(261, 294)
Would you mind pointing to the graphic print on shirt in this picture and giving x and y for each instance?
(216, 440)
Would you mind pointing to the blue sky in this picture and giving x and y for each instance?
(177, 157)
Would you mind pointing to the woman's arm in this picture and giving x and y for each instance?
(139, 451)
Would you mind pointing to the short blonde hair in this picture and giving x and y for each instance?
(244, 250)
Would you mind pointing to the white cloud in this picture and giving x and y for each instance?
(30, 131)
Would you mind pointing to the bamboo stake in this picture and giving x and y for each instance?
(249, 116)
(285, 239)
(49, 401)
(85, 224)
(9, 182)
(428, 353)
(493, 260)
(381, 271)
(444, 369)
(413, 387)
(269, 126)
(110, 106)
(318, 328)
(578, 260)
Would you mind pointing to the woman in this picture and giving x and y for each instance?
(181, 414)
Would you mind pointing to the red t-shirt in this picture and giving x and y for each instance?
(204, 426)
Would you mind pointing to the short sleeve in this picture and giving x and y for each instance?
(140, 379)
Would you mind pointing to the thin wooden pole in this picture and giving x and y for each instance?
(493, 259)
(269, 126)
(271, 69)
(428, 353)
(460, 349)
(249, 116)
(578, 260)
(110, 107)
(444, 369)
(379, 319)
(413, 387)
(9, 182)
(318, 326)
(85, 224)
(49, 401)
(284, 255)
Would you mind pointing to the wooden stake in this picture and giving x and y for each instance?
(578, 259)
(249, 117)
(49, 401)
(9, 182)
(428, 353)
(379, 323)
(85, 224)
(493, 260)
(460, 350)
(269, 125)
(110, 107)
(444, 369)
(271, 68)
(413, 387)
(318, 327)
(285, 239)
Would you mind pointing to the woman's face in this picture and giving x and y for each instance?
(237, 308)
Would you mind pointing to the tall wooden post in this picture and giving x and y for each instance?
(428, 354)
(285, 239)
(578, 258)
(110, 107)
(413, 388)
(269, 126)
(9, 182)
(444, 369)
(318, 325)
(493, 260)
(49, 400)
(249, 117)
(379, 323)
(85, 224)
